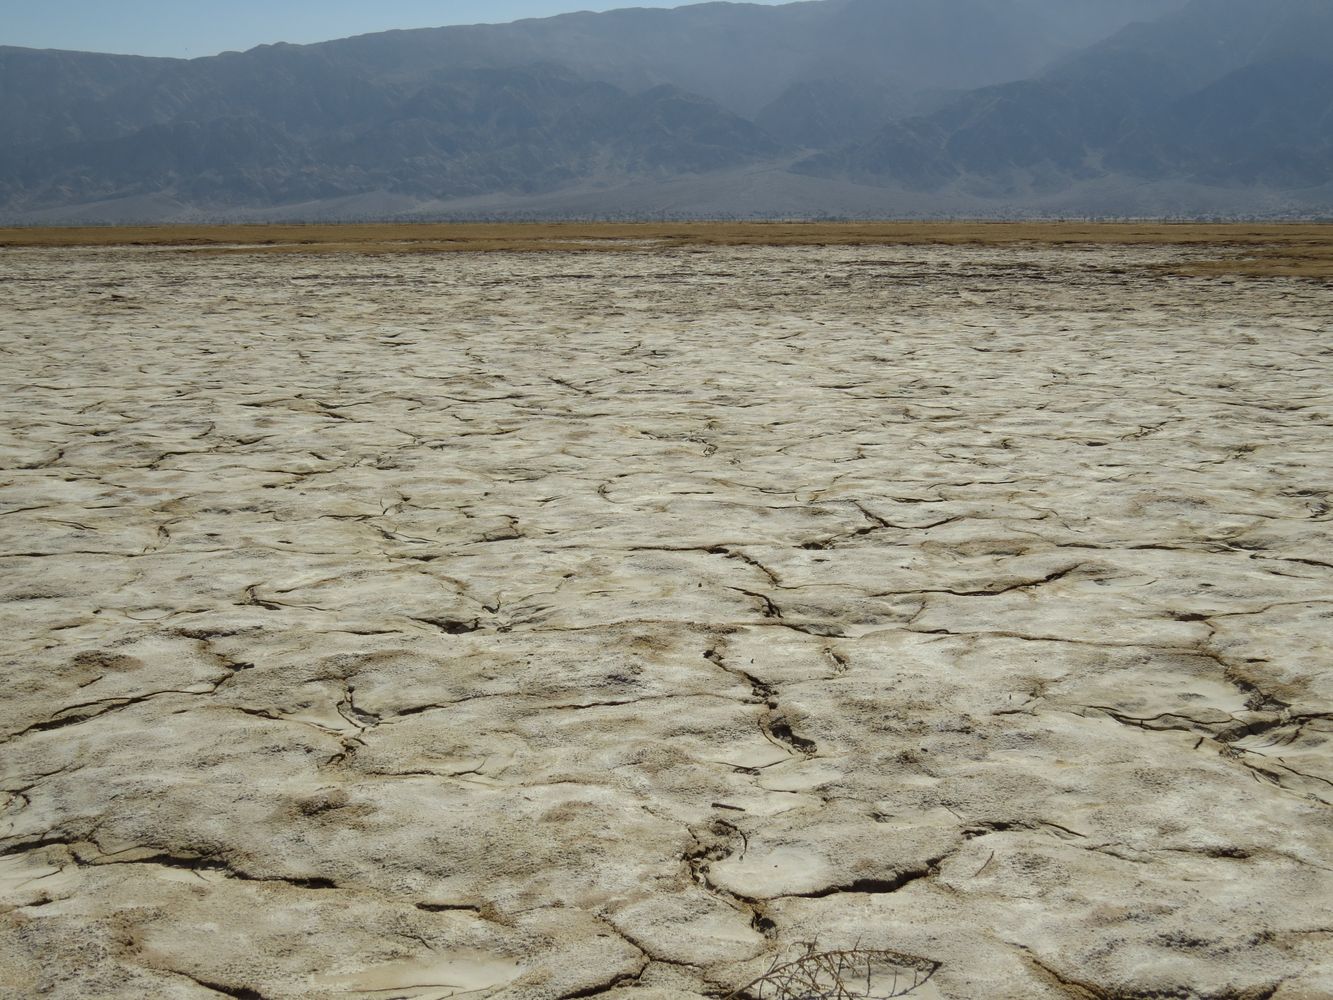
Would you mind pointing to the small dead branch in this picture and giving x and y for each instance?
(843, 974)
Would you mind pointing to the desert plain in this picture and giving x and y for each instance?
(620, 618)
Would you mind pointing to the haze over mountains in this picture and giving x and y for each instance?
(832, 107)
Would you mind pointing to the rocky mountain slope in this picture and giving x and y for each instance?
(816, 106)
(1227, 92)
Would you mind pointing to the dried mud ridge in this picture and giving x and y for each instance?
(555, 626)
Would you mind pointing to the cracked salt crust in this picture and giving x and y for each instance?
(567, 625)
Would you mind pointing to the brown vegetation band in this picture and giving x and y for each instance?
(1298, 250)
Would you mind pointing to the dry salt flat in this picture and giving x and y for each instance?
(616, 624)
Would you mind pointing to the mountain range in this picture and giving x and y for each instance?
(822, 108)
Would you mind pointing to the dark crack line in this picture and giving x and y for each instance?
(1059, 574)
(60, 720)
(1086, 990)
(208, 863)
(873, 886)
(616, 981)
(238, 992)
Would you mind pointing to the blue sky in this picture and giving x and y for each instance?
(199, 28)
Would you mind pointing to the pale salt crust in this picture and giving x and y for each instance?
(542, 626)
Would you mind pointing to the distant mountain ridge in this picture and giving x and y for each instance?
(1220, 92)
(842, 107)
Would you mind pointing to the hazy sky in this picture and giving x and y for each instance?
(198, 28)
